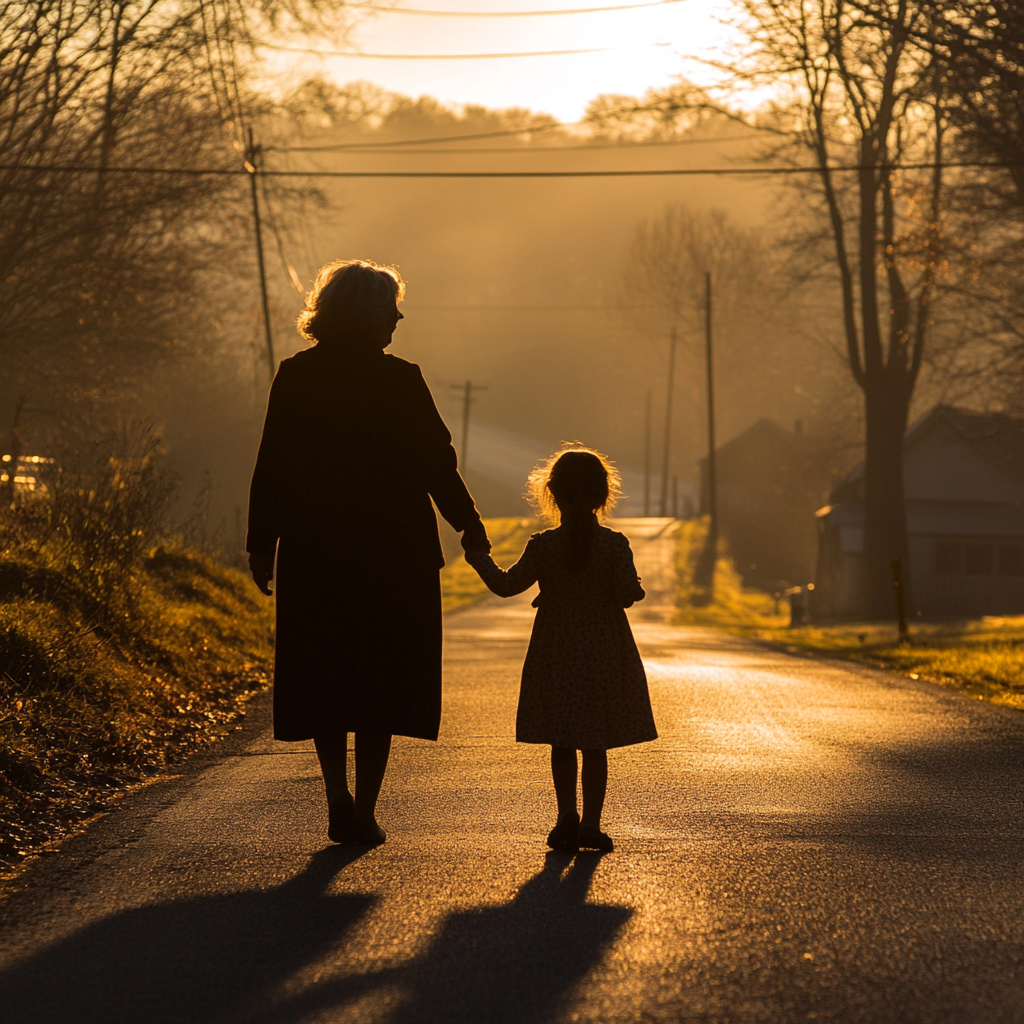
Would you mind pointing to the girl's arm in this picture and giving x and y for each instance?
(626, 587)
(508, 582)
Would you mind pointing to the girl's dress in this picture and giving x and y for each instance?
(583, 681)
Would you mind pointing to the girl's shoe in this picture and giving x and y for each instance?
(591, 838)
(341, 821)
(564, 837)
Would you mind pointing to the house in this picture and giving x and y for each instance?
(963, 478)
(770, 480)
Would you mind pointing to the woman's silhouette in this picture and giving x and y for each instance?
(353, 450)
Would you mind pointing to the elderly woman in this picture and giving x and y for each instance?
(353, 451)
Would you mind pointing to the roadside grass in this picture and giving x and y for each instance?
(981, 658)
(732, 605)
(460, 584)
(86, 710)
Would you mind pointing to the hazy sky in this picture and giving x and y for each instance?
(561, 85)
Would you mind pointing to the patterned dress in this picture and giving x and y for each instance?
(583, 681)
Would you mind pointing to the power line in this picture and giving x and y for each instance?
(503, 133)
(416, 142)
(640, 173)
(546, 149)
(449, 56)
(510, 309)
(506, 14)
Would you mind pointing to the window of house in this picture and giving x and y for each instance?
(1011, 559)
(948, 557)
(979, 559)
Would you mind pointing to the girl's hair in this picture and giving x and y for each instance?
(569, 488)
(347, 293)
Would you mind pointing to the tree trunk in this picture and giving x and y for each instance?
(887, 406)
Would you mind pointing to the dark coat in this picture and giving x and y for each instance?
(353, 450)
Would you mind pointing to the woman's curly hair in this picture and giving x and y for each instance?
(346, 294)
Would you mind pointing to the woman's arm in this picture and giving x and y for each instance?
(508, 582)
(440, 466)
(266, 492)
(626, 588)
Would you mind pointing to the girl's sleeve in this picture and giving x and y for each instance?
(508, 582)
(626, 587)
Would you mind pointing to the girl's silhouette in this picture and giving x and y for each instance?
(583, 686)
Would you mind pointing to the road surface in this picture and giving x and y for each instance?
(806, 841)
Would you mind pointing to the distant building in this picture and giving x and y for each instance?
(770, 481)
(964, 484)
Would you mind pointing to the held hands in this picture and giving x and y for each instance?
(474, 538)
(262, 569)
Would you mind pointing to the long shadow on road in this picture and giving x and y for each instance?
(224, 958)
(518, 963)
(199, 960)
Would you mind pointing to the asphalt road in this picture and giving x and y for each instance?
(806, 841)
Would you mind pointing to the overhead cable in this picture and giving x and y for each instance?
(503, 133)
(506, 14)
(643, 173)
(450, 56)
(547, 149)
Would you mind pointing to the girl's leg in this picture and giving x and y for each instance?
(372, 752)
(595, 784)
(563, 772)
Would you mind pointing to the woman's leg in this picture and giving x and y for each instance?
(563, 772)
(372, 752)
(595, 784)
(333, 754)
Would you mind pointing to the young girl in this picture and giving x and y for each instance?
(583, 686)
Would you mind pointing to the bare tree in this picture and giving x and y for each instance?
(854, 90)
(109, 109)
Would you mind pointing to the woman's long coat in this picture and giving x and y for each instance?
(353, 450)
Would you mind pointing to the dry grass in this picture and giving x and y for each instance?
(982, 658)
(86, 712)
(732, 605)
(118, 656)
(460, 584)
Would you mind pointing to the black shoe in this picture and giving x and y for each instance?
(591, 838)
(564, 837)
(370, 835)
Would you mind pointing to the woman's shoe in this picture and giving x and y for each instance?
(591, 838)
(564, 837)
(341, 821)
(370, 834)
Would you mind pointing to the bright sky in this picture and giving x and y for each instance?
(560, 85)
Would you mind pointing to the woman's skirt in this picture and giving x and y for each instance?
(358, 647)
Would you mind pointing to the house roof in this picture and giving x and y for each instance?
(997, 438)
(768, 428)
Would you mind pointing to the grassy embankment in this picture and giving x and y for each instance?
(982, 658)
(90, 706)
(732, 606)
(119, 655)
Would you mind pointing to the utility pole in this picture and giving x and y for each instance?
(467, 390)
(712, 468)
(647, 457)
(252, 154)
(666, 451)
